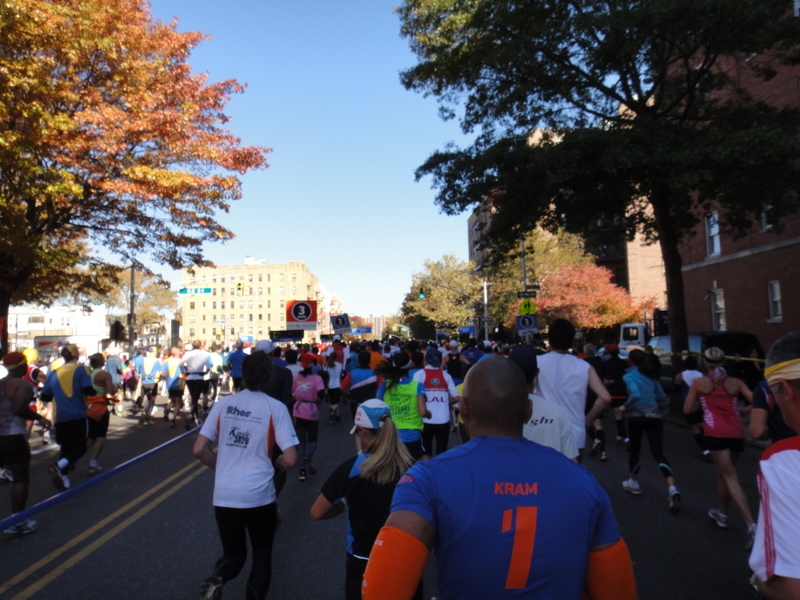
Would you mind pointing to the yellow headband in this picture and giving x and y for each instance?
(789, 370)
(19, 364)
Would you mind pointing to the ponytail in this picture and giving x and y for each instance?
(389, 457)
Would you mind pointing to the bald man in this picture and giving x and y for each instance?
(508, 518)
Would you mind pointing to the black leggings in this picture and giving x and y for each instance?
(637, 426)
(71, 436)
(440, 433)
(233, 525)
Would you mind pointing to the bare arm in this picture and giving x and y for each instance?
(758, 424)
(21, 395)
(323, 509)
(288, 459)
(779, 588)
(692, 401)
(422, 407)
(203, 451)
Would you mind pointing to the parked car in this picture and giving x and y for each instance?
(731, 343)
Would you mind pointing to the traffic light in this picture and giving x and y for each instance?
(422, 293)
(239, 289)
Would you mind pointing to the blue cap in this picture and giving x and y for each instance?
(434, 357)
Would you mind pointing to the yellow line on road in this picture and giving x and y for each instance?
(40, 564)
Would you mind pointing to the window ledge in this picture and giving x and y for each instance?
(775, 320)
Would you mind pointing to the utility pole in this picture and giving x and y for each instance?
(525, 280)
(132, 313)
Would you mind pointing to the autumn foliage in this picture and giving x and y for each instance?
(584, 295)
(108, 140)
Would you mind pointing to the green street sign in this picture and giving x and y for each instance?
(194, 290)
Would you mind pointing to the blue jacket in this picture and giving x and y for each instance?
(644, 394)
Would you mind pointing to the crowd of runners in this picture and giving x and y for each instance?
(404, 492)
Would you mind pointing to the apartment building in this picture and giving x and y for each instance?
(245, 301)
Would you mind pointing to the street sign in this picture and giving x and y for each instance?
(361, 330)
(467, 330)
(194, 290)
(340, 323)
(527, 324)
(533, 287)
(526, 294)
(246, 338)
(527, 307)
(301, 314)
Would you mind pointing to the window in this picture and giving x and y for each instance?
(204, 331)
(241, 318)
(204, 317)
(221, 291)
(294, 290)
(241, 303)
(250, 277)
(260, 291)
(214, 318)
(222, 280)
(36, 320)
(250, 330)
(260, 317)
(250, 317)
(280, 291)
(191, 318)
(191, 305)
(260, 330)
(269, 291)
(268, 276)
(260, 304)
(222, 304)
(214, 305)
(282, 316)
(191, 333)
(280, 276)
(260, 277)
(250, 304)
(775, 306)
(213, 291)
(213, 331)
(712, 234)
(282, 305)
(294, 276)
(269, 303)
(269, 316)
(717, 297)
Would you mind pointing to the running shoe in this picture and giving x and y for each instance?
(188, 423)
(5, 475)
(675, 502)
(23, 528)
(211, 589)
(595, 447)
(751, 537)
(310, 466)
(603, 456)
(632, 487)
(302, 476)
(173, 425)
(707, 456)
(57, 477)
(719, 518)
(94, 470)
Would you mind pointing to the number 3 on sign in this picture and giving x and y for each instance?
(522, 551)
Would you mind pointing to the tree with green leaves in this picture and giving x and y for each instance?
(445, 293)
(108, 141)
(611, 117)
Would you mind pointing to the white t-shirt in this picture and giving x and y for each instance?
(549, 426)
(775, 551)
(437, 393)
(295, 368)
(334, 376)
(243, 427)
(563, 379)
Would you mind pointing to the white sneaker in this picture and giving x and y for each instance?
(632, 487)
(719, 518)
(23, 528)
(5, 475)
(93, 470)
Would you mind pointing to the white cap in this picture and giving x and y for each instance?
(265, 345)
(369, 414)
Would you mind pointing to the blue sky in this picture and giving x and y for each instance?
(323, 92)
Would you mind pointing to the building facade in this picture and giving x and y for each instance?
(86, 328)
(747, 284)
(246, 301)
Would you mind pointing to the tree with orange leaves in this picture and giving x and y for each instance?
(584, 295)
(107, 140)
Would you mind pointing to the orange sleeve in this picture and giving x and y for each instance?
(395, 566)
(609, 575)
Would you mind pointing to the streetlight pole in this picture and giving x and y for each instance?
(485, 310)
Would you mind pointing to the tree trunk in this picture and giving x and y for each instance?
(5, 304)
(668, 240)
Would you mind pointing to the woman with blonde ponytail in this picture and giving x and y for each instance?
(364, 486)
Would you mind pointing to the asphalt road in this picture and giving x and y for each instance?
(149, 531)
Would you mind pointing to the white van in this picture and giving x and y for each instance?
(633, 334)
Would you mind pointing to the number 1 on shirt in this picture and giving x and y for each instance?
(522, 551)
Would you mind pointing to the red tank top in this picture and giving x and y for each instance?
(720, 413)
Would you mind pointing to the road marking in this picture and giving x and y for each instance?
(97, 527)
